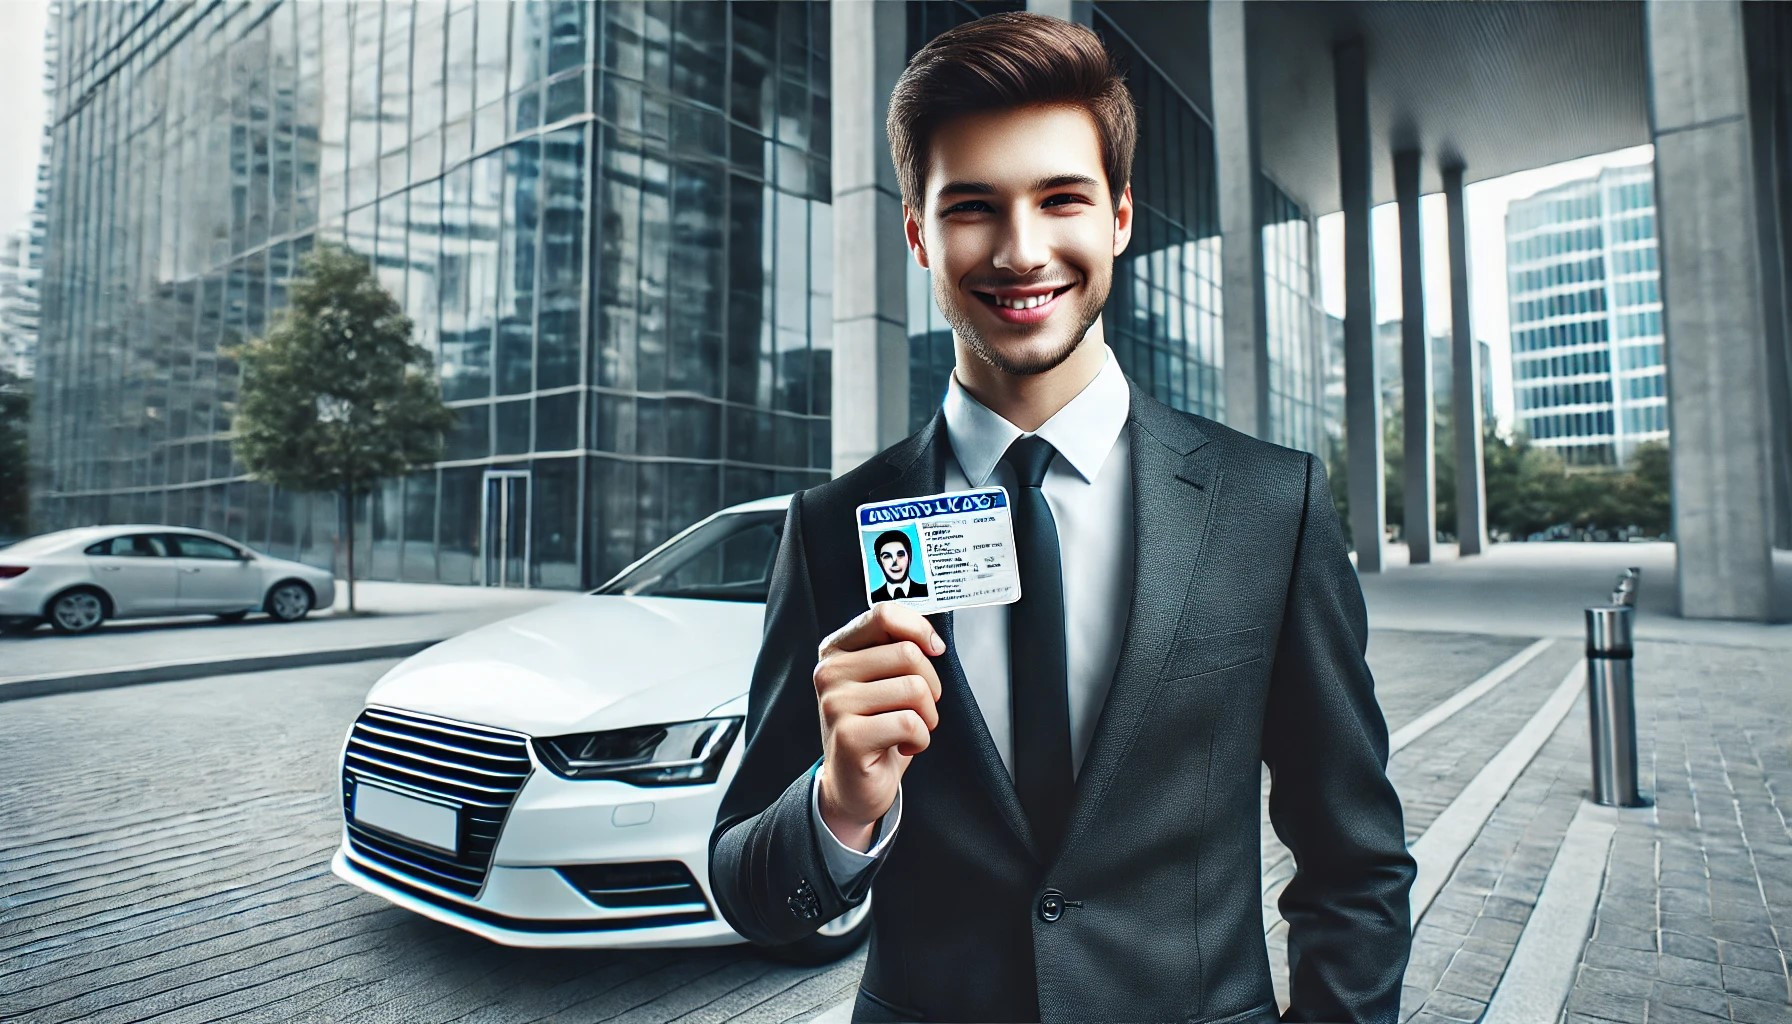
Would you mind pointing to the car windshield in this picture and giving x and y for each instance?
(728, 558)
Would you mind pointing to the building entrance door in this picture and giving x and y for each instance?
(504, 529)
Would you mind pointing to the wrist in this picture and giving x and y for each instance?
(851, 831)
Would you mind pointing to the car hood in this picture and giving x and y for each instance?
(592, 663)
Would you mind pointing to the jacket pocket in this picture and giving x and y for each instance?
(1190, 657)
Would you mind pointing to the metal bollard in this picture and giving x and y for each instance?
(1611, 704)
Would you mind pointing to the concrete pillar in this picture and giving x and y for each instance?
(1419, 456)
(1465, 382)
(870, 384)
(1767, 33)
(1713, 318)
(1362, 388)
(1241, 237)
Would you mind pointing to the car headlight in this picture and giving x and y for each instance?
(680, 754)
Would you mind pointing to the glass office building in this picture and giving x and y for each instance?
(610, 224)
(1588, 369)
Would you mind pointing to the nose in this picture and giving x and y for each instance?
(1022, 247)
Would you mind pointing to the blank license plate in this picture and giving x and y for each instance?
(414, 819)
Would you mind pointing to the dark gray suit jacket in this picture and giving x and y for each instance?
(1244, 643)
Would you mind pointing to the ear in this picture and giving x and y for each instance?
(911, 230)
(1123, 221)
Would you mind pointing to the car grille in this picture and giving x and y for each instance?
(664, 883)
(477, 768)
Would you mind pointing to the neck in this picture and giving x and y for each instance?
(1027, 401)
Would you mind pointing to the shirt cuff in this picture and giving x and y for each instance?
(846, 864)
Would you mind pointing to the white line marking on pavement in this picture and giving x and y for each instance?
(1448, 838)
(1464, 697)
(1537, 981)
(1414, 729)
(1450, 845)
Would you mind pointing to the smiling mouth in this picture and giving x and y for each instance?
(1021, 303)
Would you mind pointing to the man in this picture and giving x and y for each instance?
(1058, 799)
(893, 558)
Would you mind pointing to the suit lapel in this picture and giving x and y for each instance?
(1174, 484)
(918, 467)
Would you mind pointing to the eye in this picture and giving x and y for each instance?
(1068, 197)
(969, 206)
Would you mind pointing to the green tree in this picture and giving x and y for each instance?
(337, 396)
(15, 419)
(1648, 493)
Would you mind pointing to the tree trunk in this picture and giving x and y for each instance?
(349, 505)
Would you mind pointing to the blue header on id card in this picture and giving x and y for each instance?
(927, 508)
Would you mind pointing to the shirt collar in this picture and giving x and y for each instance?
(1083, 432)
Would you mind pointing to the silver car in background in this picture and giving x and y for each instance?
(76, 579)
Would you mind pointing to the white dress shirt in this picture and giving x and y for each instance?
(1088, 487)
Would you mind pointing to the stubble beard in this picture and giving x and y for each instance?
(1095, 296)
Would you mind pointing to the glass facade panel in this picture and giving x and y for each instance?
(1292, 318)
(608, 223)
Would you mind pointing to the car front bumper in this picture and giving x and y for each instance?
(556, 830)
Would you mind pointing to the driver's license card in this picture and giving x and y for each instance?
(940, 552)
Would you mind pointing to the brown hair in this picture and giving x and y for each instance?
(1003, 61)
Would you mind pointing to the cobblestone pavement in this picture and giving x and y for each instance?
(1693, 918)
(167, 859)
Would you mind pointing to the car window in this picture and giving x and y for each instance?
(188, 546)
(728, 558)
(135, 545)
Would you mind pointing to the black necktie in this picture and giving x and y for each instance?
(1037, 673)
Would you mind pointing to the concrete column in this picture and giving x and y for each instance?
(1465, 383)
(1362, 388)
(870, 385)
(1713, 317)
(1419, 456)
(1767, 32)
(1241, 238)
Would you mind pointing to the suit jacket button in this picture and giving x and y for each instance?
(1051, 905)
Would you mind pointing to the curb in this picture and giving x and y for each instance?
(77, 682)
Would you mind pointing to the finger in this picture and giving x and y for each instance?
(879, 696)
(901, 729)
(882, 662)
(883, 623)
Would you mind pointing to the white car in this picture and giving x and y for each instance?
(78, 578)
(551, 780)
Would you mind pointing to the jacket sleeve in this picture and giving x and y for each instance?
(766, 867)
(1326, 744)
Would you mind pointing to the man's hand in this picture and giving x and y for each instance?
(877, 692)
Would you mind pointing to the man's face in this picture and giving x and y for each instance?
(894, 559)
(1016, 212)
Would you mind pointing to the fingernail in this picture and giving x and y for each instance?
(935, 644)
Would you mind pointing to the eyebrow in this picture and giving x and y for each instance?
(984, 188)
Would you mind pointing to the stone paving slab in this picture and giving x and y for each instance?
(190, 877)
(1693, 914)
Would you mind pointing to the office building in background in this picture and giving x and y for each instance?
(612, 224)
(1588, 375)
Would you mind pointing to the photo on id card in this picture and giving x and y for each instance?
(940, 552)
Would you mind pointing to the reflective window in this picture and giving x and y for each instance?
(186, 545)
(649, 279)
(136, 545)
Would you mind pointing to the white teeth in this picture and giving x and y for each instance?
(1024, 303)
